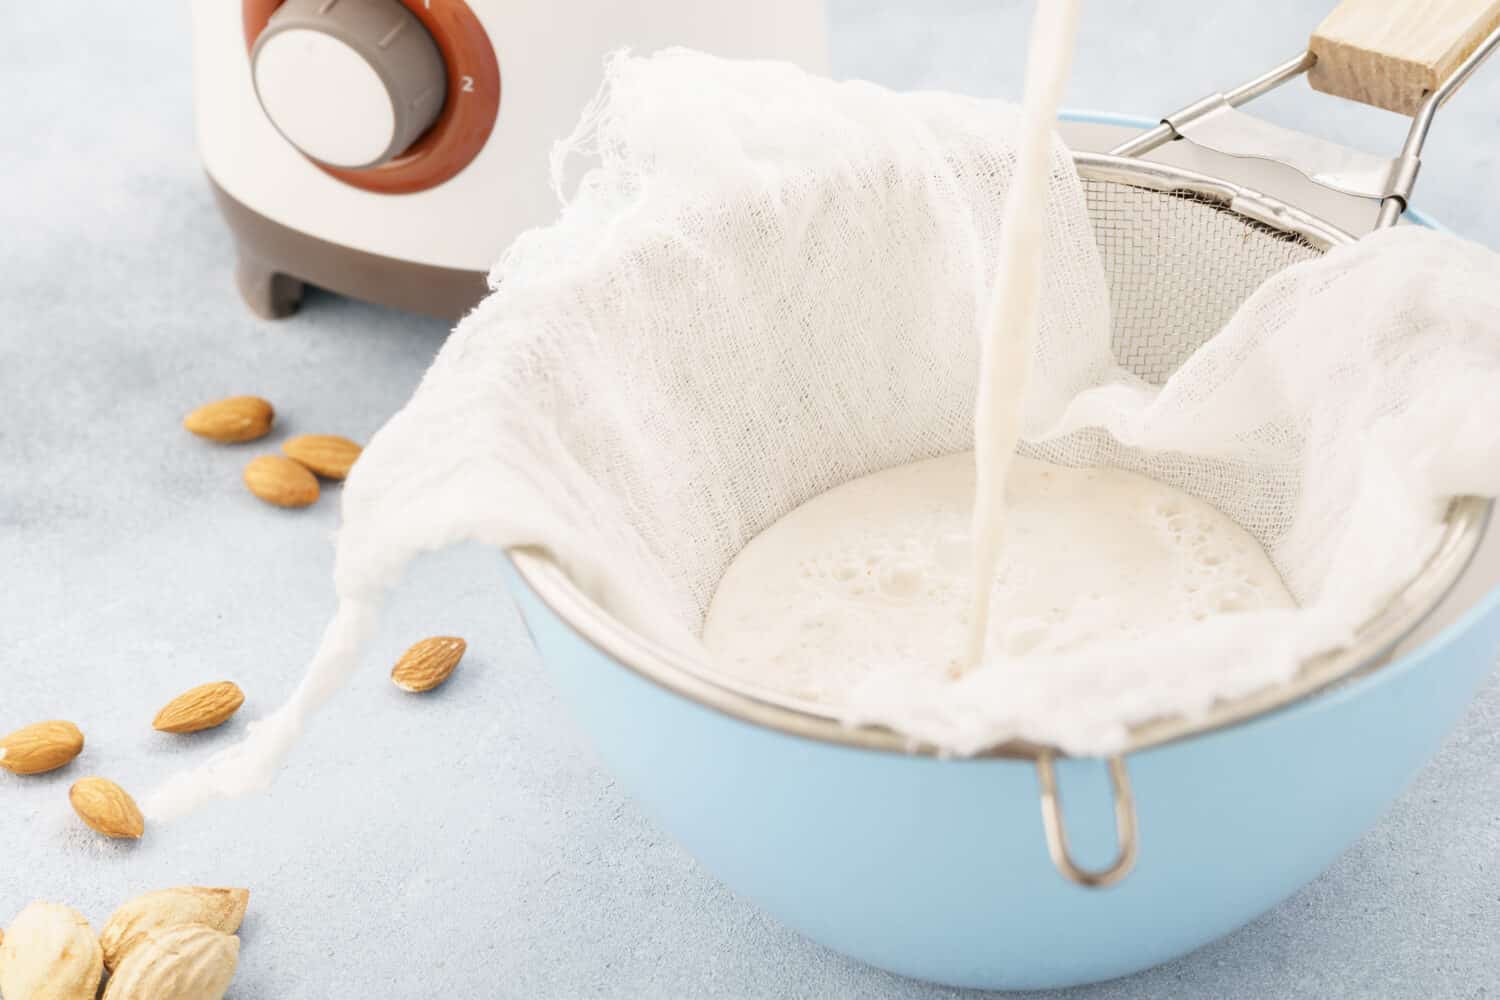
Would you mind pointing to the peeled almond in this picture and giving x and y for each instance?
(190, 962)
(428, 663)
(107, 808)
(230, 421)
(221, 909)
(45, 746)
(50, 953)
(281, 481)
(328, 455)
(204, 707)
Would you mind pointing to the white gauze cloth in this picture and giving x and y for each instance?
(767, 283)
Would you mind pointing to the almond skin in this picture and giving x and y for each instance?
(107, 808)
(328, 455)
(43, 747)
(232, 420)
(204, 707)
(190, 962)
(428, 663)
(220, 909)
(50, 954)
(281, 481)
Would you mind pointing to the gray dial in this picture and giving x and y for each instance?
(351, 83)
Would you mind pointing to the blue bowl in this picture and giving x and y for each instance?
(939, 868)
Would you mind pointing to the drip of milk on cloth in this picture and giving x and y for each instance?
(1005, 360)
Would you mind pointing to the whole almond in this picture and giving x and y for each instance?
(329, 455)
(189, 962)
(107, 808)
(232, 420)
(204, 707)
(221, 909)
(428, 663)
(50, 953)
(45, 746)
(281, 481)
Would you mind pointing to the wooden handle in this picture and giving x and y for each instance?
(1390, 53)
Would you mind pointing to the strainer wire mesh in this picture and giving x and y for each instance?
(1178, 263)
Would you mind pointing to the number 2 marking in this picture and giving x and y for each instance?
(468, 84)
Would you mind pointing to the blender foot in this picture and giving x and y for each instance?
(269, 293)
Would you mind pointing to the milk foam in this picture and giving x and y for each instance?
(874, 575)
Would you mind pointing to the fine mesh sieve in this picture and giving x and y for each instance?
(1180, 251)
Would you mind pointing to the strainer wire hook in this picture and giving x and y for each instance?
(1395, 193)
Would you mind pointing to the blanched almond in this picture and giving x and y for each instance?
(190, 962)
(49, 953)
(221, 909)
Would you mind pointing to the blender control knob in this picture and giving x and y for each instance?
(350, 83)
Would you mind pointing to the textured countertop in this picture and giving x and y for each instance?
(468, 844)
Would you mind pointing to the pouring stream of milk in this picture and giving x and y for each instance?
(1005, 362)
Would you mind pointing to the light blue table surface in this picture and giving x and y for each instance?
(467, 844)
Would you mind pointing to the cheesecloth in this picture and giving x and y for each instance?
(763, 283)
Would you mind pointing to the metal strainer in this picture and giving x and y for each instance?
(1155, 250)
(1181, 250)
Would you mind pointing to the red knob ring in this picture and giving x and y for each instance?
(468, 116)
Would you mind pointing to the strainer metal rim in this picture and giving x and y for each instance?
(1465, 524)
